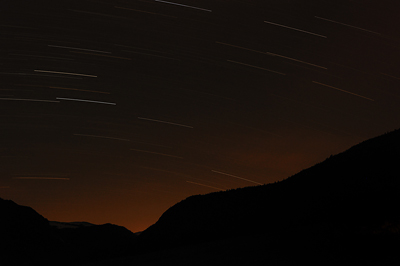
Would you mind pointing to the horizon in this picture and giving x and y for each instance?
(112, 112)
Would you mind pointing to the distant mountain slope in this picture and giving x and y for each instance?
(25, 235)
(17, 219)
(27, 238)
(98, 241)
(349, 199)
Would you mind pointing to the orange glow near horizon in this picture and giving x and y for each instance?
(137, 205)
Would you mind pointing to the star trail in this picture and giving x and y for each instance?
(113, 111)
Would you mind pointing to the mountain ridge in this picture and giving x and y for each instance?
(347, 196)
(341, 211)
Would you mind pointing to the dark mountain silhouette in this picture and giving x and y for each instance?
(18, 219)
(25, 234)
(98, 241)
(344, 209)
(27, 238)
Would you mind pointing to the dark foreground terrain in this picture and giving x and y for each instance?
(342, 211)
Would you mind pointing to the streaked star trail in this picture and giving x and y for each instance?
(83, 100)
(140, 104)
(28, 100)
(164, 122)
(65, 73)
(322, 84)
(204, 185)
(40, 178)
(74, 89)
(272, 54)
(222, 173)
(269, 70)
(157, 153)
(347, 25)
(81, 49)
(103, 137)
(276, 24)
(171, 3)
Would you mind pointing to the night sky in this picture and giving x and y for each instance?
(113, 111)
